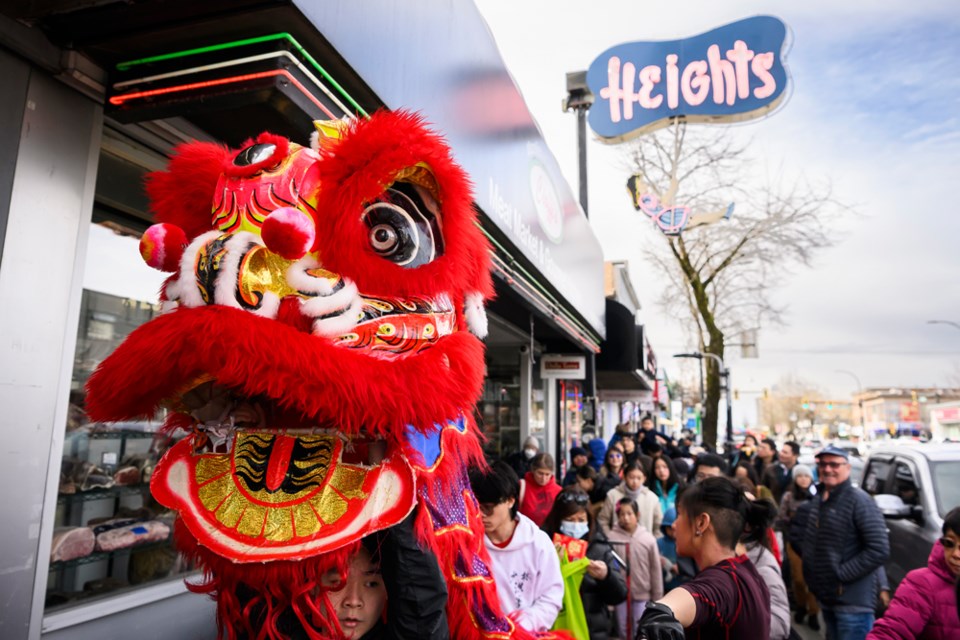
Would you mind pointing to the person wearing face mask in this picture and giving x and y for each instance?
(632, 487)
(638, 547)
(521, 460)
(924, 606)
(603, 585)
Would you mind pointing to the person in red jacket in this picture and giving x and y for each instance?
(925, 606)
(538, 489)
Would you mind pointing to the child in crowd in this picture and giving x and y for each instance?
(638, 547)
(632, 487)
(667, 546)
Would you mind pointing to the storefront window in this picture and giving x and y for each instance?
(500, 411)
(110, 534)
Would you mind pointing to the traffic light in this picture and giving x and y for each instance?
(766, 394)
(736, 394)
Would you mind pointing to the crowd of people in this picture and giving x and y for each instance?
(687, 543)
(675, 544)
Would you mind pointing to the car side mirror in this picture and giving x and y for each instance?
(892, 506)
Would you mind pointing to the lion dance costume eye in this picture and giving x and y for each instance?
(320, 345)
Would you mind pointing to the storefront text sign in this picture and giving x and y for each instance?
(561, 367)
(731, 73)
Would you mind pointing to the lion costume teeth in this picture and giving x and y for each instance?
(319, 349)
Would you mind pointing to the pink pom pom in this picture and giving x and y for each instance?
(288, 232)
(162, 246)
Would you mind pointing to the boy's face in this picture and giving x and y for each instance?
(579, 460)
(360, 601)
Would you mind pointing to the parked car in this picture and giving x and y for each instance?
(914, 487)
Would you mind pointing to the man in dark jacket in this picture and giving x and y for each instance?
(844, 544)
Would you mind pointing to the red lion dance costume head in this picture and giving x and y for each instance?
(319, 343)
(316, 344)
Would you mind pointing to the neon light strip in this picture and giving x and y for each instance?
(550, 304)
(124, 66)
(229, 63)
(119, 100)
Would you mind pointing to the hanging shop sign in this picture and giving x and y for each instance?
(672, 220)
(732, 73)
(562, 367)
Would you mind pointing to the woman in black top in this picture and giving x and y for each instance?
(604, 584)
(728, 598)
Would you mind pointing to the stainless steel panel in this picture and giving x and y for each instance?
(49, 210)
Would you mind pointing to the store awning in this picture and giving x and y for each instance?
(620, 361)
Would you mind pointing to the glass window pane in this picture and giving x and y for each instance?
(111, 535)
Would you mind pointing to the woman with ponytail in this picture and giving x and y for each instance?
(728, 598)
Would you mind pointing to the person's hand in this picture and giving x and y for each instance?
(597, 569)
(658, 623)
(885, 598)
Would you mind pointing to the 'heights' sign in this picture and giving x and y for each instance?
(731, 73)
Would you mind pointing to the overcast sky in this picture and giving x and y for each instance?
(874, 109)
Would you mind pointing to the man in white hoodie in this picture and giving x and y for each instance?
(524, 560)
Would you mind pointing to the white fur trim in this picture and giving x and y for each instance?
(315, 141)
(168, 305)
(338, 325)
(476, 314)
(184, 288)
(322, 305)
(298, 277)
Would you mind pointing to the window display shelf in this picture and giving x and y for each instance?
(101, 494)
(115, 435)
(107, 555)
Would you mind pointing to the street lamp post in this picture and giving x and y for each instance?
(724, 373)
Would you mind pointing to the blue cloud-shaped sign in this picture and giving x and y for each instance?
(734, 72)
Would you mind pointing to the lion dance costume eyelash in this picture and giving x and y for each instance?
(320, 346)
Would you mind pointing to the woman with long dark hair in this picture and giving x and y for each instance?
(728, 598)
(603, 585)
(665, 482)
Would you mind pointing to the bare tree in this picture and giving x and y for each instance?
(721, 275)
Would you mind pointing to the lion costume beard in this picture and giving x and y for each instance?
(314, 347)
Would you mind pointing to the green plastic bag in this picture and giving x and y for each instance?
(571, 618)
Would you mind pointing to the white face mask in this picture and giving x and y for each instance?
(574, 529)
(529, 453)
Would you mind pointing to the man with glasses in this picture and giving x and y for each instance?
(844, 544)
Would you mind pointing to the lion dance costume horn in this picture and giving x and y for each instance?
(319, 342)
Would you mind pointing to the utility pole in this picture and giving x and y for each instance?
(579, 98)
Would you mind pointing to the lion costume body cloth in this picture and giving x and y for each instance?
(320, 343)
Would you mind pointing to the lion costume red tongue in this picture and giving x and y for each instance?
(314, 347)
